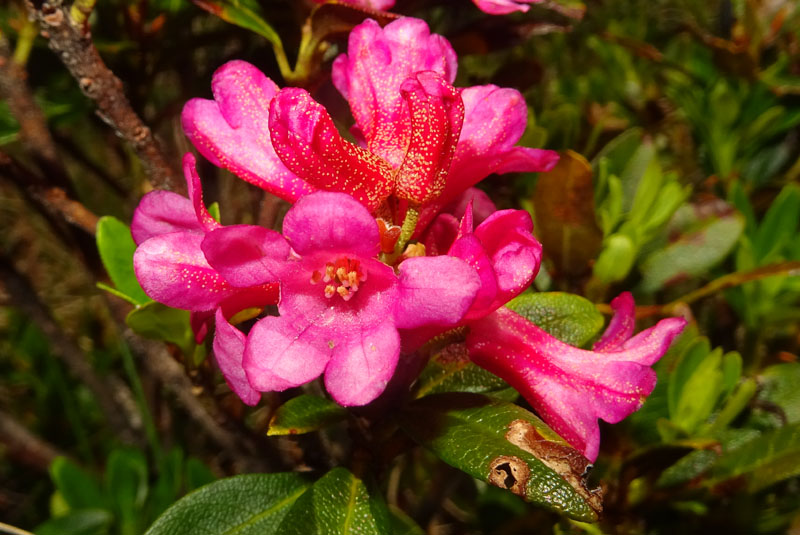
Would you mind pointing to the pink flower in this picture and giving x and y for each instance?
(503, 7)
(340, 307)
(424, 142)
(571, 388)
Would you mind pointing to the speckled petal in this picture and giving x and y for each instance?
(570, 387)
(195, 190)
(232, 131)
(280, 355)
(162, 212)
(229, 352)
(436, 113)
(377, 62)
(246, 255)
(434, 291)
(331, 221)
(620, 328)
(362, 364)
(173, 270)
(306, 140)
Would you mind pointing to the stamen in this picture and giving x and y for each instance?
(344, 293)
(330, 290)
(342, 276)
(316, 277)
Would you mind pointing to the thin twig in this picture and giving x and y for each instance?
(730, 280)
(113, 396)
(24, 446)
(71, 40)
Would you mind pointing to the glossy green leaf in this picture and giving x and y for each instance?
(116, 247)
(693, 253)
(779, 387)
(337, 504)
(692, 465)
(244, 13)
(616, 259)
(506, 446)
(772, 457)
(246, 505)
(450, 370)
(81, 522)
(570, 318)
(78, 489)
(305, 413)
(160, 322)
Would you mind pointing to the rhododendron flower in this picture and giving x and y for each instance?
(380, 5)
(571, 388)
(503, 7)
(340, 307)
(425, 142)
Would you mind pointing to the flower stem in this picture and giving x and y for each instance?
(407, 230)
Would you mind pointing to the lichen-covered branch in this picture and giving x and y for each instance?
(71, 40)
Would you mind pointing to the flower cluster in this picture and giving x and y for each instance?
(387, 243)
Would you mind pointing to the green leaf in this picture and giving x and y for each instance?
(79, 489)
(126, 481)
(693, 253)
(304, 414)
(116, 247)
(197, 474)
(761, 462)
(168, 486)
(506, 446)
(616, 259)
(779, 387)
(570, 318)
(337, 504)
(690, 466)
(246, 505)
(450, 370)
(779, 225)
(82, 522)
(402, 524)
(243, 13)
(160, 322)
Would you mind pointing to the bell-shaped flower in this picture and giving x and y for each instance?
(340, 307)
(571, 388)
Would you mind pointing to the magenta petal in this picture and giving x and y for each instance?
(434, 291)
(503, 7)
(436, 113)
(469, 249)
(195, 190)
(163, 212)
(232, 131)
(331, 221)
(620, 328)
(308, 143)
(362, 364)
(515, 253)
(246, 255)
(280, 355)
(229, 352)
(377, 62)
(440, 235)
(494, 120)
(482, 205)
(570, 387)
(173, 270)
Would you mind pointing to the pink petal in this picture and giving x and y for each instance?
(440, 235)
(469, 249)
(379, 5)
(570, 387)
(482, 205)
(246, 255)
(434, 291)
(163, 212)
(377, 62)
(232, 131)
(280, 355)
(306, 140)
(195, 191)
(362, 364)
(173, 270)
(507, 237)
(229, 351)
(503, 7)
(436, 113)
(334, 222)
(494, 120)
(620, 328)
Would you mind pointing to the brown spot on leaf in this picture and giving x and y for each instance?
(561, 458)
(510, 473)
